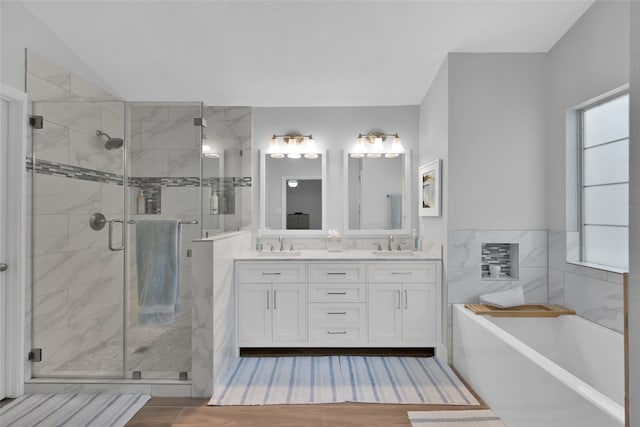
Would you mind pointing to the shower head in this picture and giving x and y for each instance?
(110, 143)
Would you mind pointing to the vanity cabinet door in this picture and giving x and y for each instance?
(254, 313)
(402, 313)
(385, 312)
(419, 313)
(289, 312)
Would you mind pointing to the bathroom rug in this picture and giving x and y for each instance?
(405, 380)
(473, 418)
(281, 380)
(72, 410)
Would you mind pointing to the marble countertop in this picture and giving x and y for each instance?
(320, 255)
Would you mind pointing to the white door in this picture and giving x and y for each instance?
(254, 313)
(385, 312)
(418, 313)
(4, 143)
(289, 312)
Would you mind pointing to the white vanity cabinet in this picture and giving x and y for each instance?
(338, 303)
(403, 303)
(272, 304)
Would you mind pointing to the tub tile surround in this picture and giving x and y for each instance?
(465, 283)
(596, 295)
(463, 275)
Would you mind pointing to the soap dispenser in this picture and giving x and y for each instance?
(259, 241)
(213, 202)
(140, 203)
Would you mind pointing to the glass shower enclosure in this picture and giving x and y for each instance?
(98, 168)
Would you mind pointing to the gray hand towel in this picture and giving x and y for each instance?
(158, 265)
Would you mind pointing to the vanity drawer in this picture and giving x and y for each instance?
(336, 292)
(345, 272)
(410, 272)
(338, 314)
(271, 272)
(328, 324)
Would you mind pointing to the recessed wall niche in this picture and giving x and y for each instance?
(499, 261)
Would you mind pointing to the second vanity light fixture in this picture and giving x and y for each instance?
(296, 146)
(376, 149)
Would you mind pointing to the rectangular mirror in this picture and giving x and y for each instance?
(292, 195)
(376, 194)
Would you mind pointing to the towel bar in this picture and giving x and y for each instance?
(192, 222)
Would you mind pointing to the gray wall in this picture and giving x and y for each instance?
(591, 59)
(20, 29)
(496, 142)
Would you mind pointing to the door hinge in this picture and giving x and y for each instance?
(200, 122)
(36, 122)
(35, 355)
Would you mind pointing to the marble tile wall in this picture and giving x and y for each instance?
(229, 132)
(463, 274)
(213, 326)
(594, 294)
(76, 295)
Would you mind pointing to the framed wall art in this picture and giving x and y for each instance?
(430, 181)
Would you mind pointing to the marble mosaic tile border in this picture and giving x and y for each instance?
(76, 172)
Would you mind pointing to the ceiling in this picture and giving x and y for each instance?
(294, 53)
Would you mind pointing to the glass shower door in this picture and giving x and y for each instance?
(77, 176)
(163, 183)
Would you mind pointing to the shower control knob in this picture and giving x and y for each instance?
(3, 267)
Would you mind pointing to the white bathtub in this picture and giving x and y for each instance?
(551, 372)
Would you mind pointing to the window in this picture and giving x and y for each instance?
(605, 183)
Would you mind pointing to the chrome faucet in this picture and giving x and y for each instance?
(281, 240)
(389, 241)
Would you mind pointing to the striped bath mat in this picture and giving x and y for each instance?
(71, 410)
(402, 380)
(303, 380)
(481, 418)
(281, 380)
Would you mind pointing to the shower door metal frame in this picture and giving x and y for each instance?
(14, 311)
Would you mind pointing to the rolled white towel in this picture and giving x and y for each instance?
(504, 299)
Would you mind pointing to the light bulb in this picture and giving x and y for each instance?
(356, 155)
(374, 155)
(293, 155)
(391, 155)
(274, 149)
(311, 156)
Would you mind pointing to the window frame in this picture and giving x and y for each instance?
(581, 179)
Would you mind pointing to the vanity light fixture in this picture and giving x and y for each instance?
(295, 147)
(376, 149)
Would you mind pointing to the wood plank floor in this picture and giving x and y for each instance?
(193, 412)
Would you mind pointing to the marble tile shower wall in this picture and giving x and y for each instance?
(596, 295)
(164, 163)
(76, 295)
(229, 132)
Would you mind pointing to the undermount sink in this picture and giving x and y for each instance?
(393, 253)
(279, 253)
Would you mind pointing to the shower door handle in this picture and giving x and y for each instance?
(111, 247)
(3, 267)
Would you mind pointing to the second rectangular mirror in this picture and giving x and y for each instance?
(376, 194)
